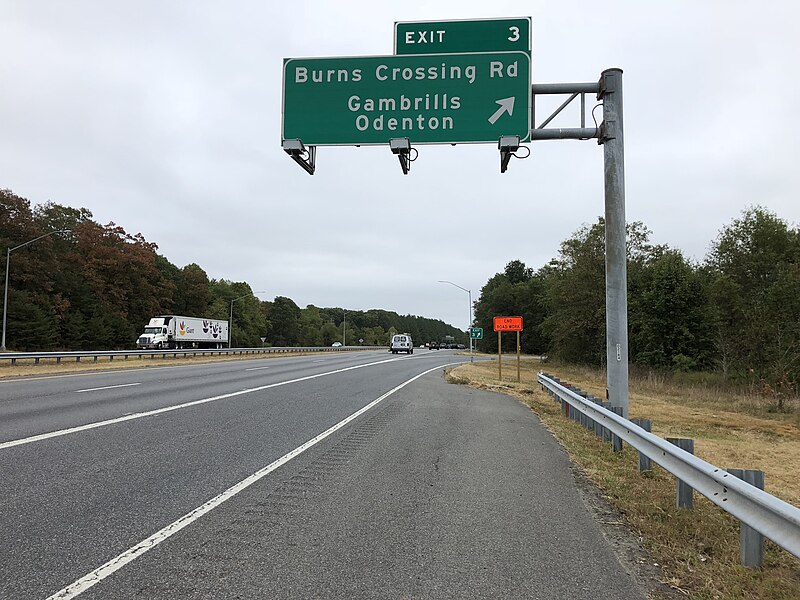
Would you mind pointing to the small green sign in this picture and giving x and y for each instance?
(484, 35)
(476, 333)
(429, 99)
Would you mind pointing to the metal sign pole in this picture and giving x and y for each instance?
(611, 136)
(518, 379)
(499, 357)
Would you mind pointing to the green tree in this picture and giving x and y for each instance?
(670, 315)
(285, 320)
(575, 298)
(194, 291)
(330, 334)
(310, 326)
(755, 288)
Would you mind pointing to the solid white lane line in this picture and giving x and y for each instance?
(256, 368)
(149, 413)
(116, 563)
(108, 387)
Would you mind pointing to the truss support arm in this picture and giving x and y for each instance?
(570, 133)
(565, 88)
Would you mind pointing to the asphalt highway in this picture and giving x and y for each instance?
(360, 475)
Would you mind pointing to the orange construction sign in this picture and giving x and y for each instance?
(508, 323)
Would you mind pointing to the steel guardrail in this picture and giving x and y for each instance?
(13, 357)
(772, 517)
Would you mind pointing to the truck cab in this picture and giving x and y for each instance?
(156, 336)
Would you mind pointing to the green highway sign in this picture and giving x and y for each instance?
(485, 35)
(427, 98)
(476, 333)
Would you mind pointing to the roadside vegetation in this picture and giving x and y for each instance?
(697, 550)
(98, 286)
(734, 317)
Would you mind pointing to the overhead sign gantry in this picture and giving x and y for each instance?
(455, 82)
(449, 82)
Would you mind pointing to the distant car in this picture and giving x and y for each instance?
(401, 343)
(336, 344)
(433, 346)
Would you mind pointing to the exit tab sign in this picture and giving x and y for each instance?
(508, 323)
(443, 37)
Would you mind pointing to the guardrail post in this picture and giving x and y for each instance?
(598, 427)
(592, 422)
(616, 441)
(77, 359)
(606, 432)
(645, 464)
(586, 421)
(684, 490)
(751, 543)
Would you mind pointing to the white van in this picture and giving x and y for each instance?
(401, 343)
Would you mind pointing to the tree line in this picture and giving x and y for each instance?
(736, 313)
(97, 286)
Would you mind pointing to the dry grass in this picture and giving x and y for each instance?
(698, 549)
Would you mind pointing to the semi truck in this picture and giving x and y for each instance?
(173, 331)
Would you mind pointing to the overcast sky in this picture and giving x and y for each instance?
(165, 118)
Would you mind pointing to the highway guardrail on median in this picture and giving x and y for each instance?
(37, 357)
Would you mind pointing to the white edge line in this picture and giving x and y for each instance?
(116, 563)
(108, 387)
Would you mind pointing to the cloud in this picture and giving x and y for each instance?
(165, 118)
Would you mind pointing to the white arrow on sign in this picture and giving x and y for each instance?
(506, 105)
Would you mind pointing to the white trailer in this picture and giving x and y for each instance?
(173, 331)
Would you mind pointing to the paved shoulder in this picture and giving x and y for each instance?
(442, 492)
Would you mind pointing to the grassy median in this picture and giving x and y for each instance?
(696, 550)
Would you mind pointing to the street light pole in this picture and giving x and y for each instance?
(344, 328)
(471, 357)
(9, 250)
(230, 322)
